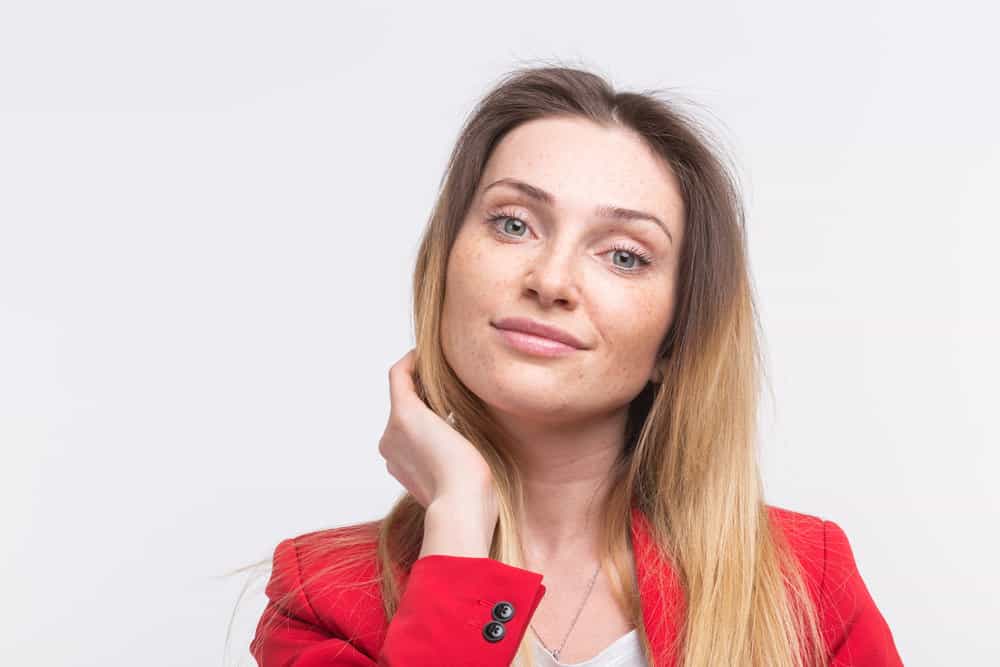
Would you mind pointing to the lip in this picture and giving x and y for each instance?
(537, 346)
(534, 328)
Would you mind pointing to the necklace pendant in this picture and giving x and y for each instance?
(555, 654)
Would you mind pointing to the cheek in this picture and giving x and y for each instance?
(635, 326)
(476, 272)
(468, 297)
(462, 280)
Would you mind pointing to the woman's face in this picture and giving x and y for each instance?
(564, 264)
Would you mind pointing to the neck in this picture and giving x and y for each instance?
(565, 470)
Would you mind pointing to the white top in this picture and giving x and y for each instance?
(626, 651)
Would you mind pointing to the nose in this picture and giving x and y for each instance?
(551, 276)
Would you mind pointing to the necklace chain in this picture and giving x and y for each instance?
(556, 652)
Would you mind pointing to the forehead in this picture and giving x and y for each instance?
(583, 164)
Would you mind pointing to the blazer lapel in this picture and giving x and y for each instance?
(662, 599)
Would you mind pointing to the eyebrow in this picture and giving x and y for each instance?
(604, 210)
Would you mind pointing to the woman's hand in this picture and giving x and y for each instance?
(428, 457)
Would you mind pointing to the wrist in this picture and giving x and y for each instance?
(460, 526)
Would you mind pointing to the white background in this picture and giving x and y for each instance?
(208, 218)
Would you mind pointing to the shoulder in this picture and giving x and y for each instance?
(852, 623)
(820, 544)
(805, 533)
(331, 549)
(331, 578)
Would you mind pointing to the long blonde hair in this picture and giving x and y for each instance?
(690, 459)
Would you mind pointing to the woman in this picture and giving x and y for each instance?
(579, 410)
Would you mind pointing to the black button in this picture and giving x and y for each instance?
(494, 631)
(503, 611)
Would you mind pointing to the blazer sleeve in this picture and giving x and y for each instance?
(454, 610)
(858, 633)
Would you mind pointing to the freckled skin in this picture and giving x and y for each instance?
(561, 268)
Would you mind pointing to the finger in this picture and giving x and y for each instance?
(401, 378)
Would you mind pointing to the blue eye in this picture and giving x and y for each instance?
(494, 217)
(641, 257)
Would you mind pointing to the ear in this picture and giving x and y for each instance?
(656, 376)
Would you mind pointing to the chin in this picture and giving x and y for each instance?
(526, 399)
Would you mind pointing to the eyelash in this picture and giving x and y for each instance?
(645, 259)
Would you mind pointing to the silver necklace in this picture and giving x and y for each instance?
(555, 653)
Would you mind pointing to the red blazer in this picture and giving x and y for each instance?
(458, 611)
